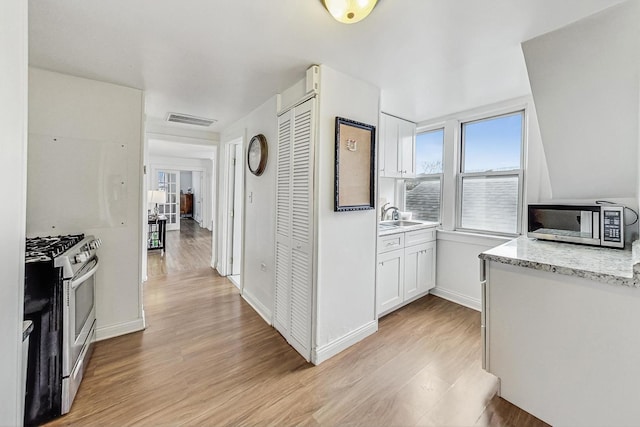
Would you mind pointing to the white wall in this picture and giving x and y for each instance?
(87, 110)
(13, 167)
(584, 80)
(258, 260)
(346, 241)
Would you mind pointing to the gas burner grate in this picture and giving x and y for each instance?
(49, 247)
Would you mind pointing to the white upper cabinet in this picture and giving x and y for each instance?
(397, 147)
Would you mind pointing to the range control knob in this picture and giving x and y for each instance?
(81, 257)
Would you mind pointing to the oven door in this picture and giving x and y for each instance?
(79, 314)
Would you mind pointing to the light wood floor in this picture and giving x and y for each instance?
(187, 250)
(206, 358)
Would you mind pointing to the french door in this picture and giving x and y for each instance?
(169, 181)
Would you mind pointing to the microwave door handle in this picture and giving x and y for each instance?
(596, 225)
(78, 281)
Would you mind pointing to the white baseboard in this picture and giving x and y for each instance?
(327, 351)
(458, 298)
(260, 308)
(235, 281)
(113, 331)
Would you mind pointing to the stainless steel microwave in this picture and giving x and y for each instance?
(597, 225)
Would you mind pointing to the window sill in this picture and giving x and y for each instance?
(472, 238)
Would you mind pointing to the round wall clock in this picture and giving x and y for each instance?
(257, 154)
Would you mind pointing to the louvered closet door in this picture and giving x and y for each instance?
(294, 227)
(301, 230)
(283, 226)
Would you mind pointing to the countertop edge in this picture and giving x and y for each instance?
(398, 230)
(620, 280)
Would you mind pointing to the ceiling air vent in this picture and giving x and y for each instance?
(189, 120)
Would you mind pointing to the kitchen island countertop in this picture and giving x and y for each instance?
(612, 266)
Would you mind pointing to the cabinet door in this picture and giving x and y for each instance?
(391, 151)
(427, 269)
(381, 144)
(419, 269)
(407, 147)
(390, 281)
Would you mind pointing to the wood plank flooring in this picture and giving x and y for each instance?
(206, 358)
(187, 249)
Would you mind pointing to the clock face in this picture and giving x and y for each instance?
(257, 154)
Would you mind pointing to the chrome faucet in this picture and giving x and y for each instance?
(383, 212)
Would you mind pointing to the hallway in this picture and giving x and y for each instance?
(207, 358)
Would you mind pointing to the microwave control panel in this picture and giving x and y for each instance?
(612, 226)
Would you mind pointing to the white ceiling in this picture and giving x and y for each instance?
(222, 58)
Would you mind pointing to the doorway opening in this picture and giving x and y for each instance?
(186, 170)
(231, 248)
(191, 197)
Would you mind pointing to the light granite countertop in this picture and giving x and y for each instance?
(613, 266)
(404, 229)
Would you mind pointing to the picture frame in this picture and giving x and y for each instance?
(354, 165)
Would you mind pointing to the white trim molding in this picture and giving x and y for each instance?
(119, 329)
(458, 298)
(320, 354)
(260, 308)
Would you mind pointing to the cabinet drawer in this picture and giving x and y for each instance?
(390, 243)
(419, 236)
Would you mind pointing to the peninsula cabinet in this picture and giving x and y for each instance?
(561, 330)
(397, 147)
(406, 268)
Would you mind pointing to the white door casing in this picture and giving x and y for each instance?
(197, 185)
(238, 192)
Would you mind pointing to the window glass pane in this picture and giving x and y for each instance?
(493, 144)
(422, 198)
(429, 152)
(490, 203)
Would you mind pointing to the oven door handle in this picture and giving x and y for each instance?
(78, 281)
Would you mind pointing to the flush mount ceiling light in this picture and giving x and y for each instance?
(349, 11)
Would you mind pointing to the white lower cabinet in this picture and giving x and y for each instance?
(406, 268)
(390, 280)
(419, 269)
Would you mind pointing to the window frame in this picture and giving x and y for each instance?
(427, 176)
(460, 174)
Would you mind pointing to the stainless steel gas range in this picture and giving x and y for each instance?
(60, 300)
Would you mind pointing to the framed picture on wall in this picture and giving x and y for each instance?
(355, 165)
